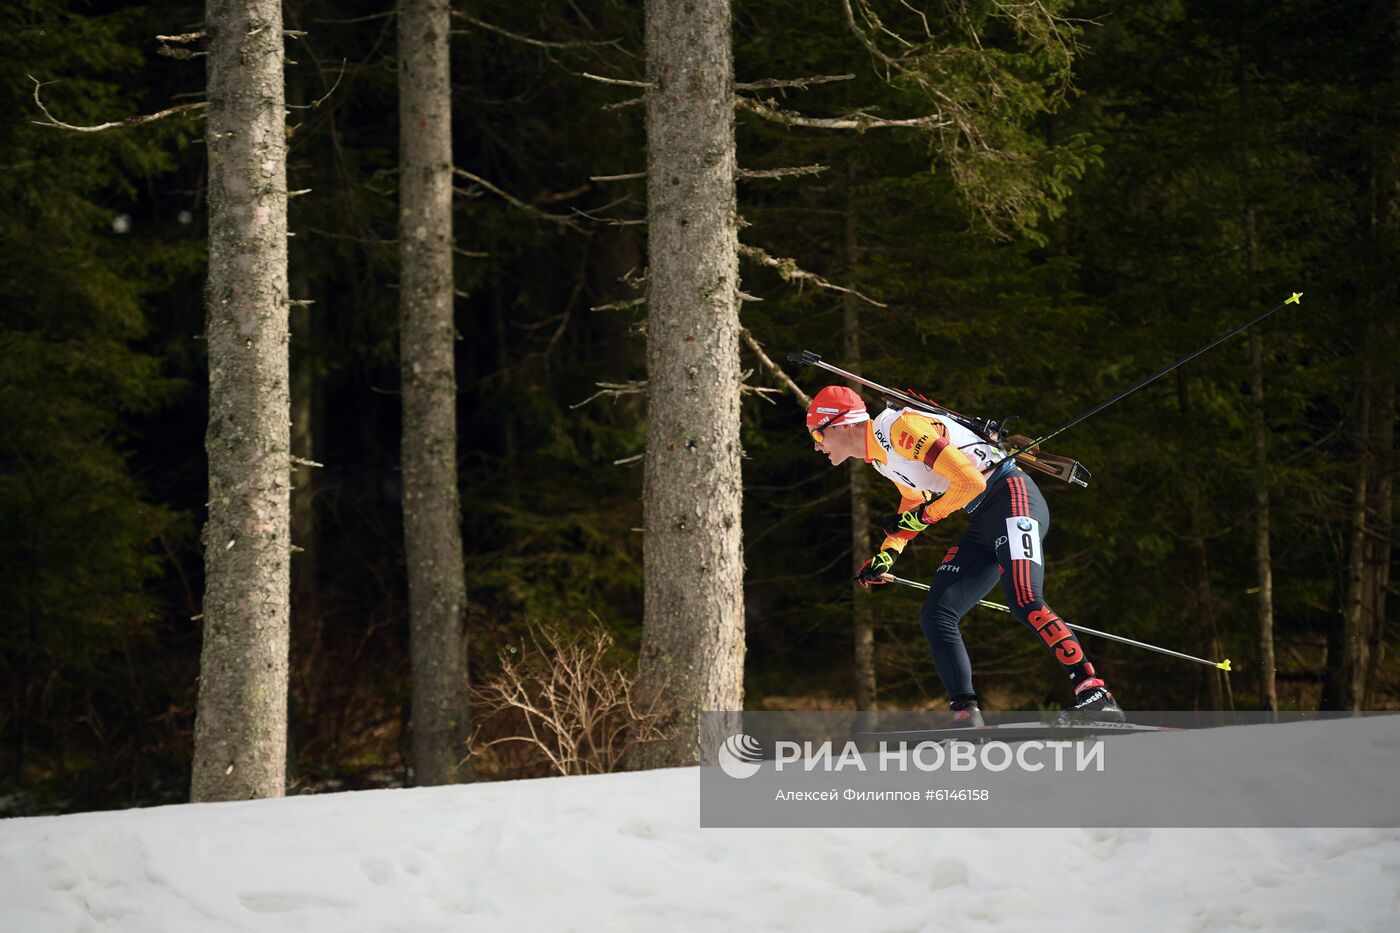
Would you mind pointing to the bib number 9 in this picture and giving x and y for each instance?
(1023, 538)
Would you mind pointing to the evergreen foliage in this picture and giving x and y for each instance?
(79, 267)
(1083, 219)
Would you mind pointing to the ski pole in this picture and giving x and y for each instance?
(1222, 665)
(1294, 299)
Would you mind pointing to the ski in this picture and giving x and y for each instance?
(1015, 732)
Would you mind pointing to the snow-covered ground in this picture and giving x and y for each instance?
(624, 852)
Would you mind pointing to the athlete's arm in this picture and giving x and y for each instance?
(916, 437)
(908, 499)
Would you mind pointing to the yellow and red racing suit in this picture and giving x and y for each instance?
(929, 459)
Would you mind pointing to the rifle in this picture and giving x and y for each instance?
(993, 432)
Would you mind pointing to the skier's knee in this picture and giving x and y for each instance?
(939, 622)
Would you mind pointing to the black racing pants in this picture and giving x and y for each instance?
(1003, 540)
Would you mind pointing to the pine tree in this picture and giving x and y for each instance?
(240, 730)
(693, 640)
(427, 345)
(78, 276)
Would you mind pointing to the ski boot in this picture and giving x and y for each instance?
(1092, 703)
(966, 714)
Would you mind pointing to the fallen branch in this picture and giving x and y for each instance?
(115, 124)
(790, 272)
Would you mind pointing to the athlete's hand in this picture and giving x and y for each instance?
(911, 521)
(872, 572)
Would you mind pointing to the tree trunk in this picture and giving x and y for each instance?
(1355, 642)
(863, 614)
(1263, 557)
(304, 636)
(1205, 605)
(1382, 526)
(693, 631)
(241, 719)
(431, 507)
(1218, 686)
(304, 588)
(1383, 433)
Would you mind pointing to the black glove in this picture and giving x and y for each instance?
(912, 520)
(871, 571)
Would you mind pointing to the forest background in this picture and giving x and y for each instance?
(1204, 162)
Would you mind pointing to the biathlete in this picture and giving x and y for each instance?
(940, 466)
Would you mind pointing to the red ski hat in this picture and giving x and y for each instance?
(835, 405)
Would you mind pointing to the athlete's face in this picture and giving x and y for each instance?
(840, 443)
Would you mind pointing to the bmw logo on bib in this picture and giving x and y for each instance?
(1024, 524)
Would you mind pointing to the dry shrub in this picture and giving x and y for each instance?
(563, 704)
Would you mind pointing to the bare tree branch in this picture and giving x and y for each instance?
(611, 221)
(801, 83)
(619, 81)
(615, 390)
(628, 177)
(616, 305)
(129, 122)
(561, 219)
(858, 121)
(761, 391)
(788, 269)
(327, 96)
(540, 43)
(180, 54)
(564, 195)
(357, 19)
(639, 387)
(802, 397)
(780, 172)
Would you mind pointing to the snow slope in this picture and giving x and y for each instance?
(624, 852)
